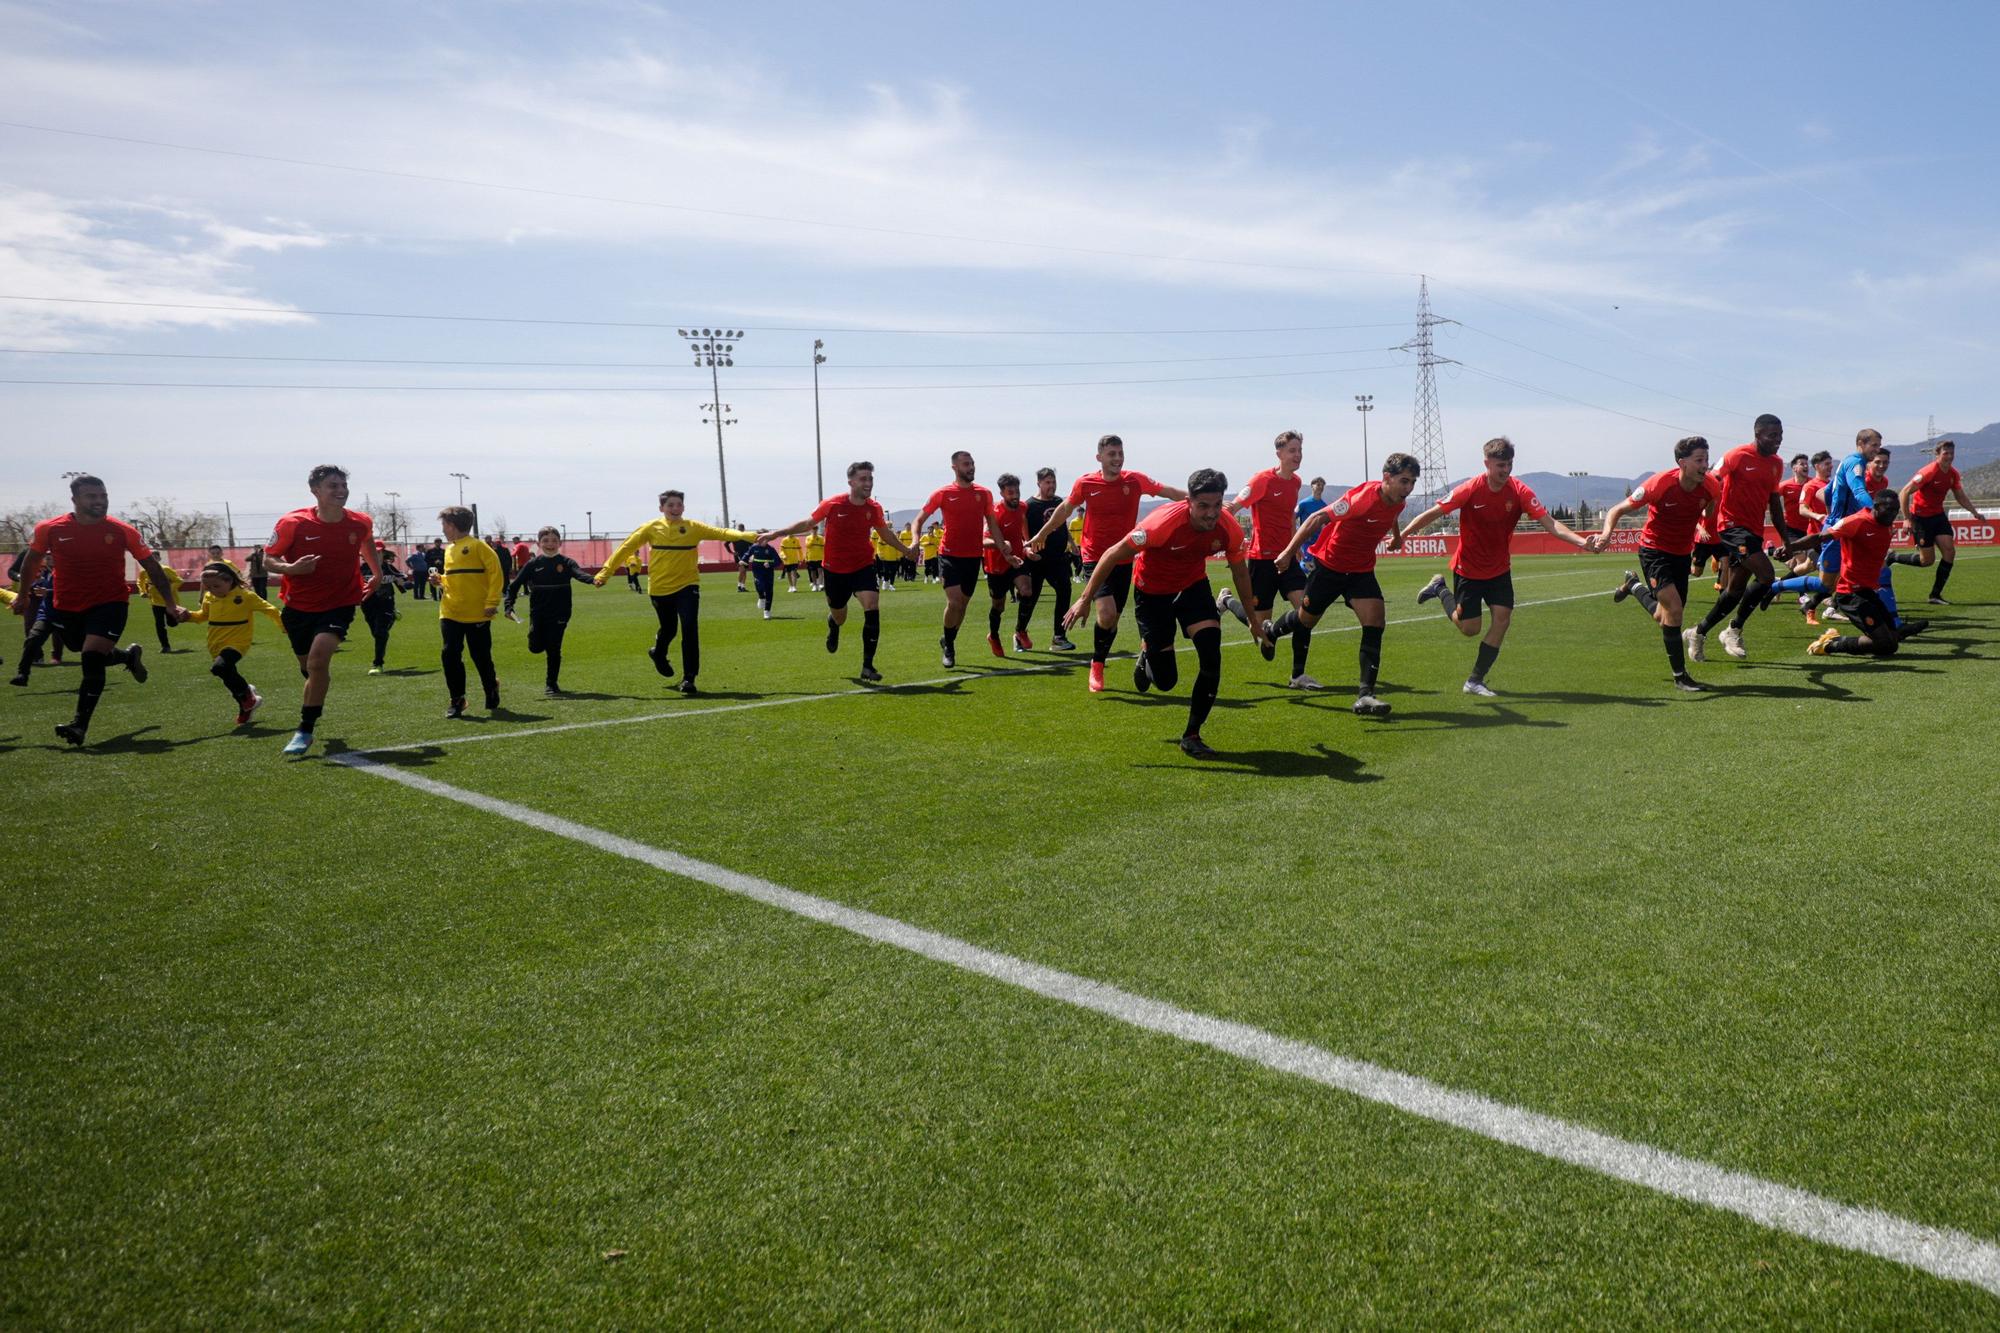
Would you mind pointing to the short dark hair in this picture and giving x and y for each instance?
(957, 454)
(1317, 481)
(1206, 481)
(458, 516)
(1688, 445)
(81, 480)
(1943, 445)
(546, 530)
(853, 468)
(672, 495)
(1767, 419)
(1285, 437)
(1045, 474)
(1103, 440)
(1821, 457)
(1498, 447)
(1884, 452)
(323, 471)
(1888, 499)
(1396, 465)
(1007, 479)
(1800, 458)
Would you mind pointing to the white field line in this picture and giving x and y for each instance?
(964, 677)
(1953, 1255)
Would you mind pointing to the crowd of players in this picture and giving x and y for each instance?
(1836, 524)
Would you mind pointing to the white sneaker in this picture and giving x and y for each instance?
(1691, 643)
(1831, 614)
(1732, 642)
(1478, 687)
(795, 587)
(1805, 601)
(767, 613)
(1305, 682)
(1369, 706)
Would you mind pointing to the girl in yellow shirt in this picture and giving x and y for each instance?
(229, 610)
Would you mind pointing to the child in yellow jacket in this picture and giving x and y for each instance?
(229, 609)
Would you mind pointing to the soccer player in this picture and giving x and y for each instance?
(815, 556)
(88, 591)
(1168, 555)
(1812, 505)
(1791, 491)
(1049, 568)
(851, 520)
(1344, 566)
(969, 520)
(676, 541)
(632, 574)
(1314, 502)
(321, 550)
(37, 607)
(469, 592)
(1482, 568)
(165, 601)
(1676, 501)
(1272, 497)
(1749, 475)
(1709, 548)
(1864, 538)
(378, 608)
(230, 610)
(789, 553)
(1004, 576)
(547, 577)
(1923, 498)
(1109, 498)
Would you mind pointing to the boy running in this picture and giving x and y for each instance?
(1923, 498)
(1006, 569)
(676, 541)
(968, 522)
(547, 576)
(1272, 497)
(1677, 501)
(469, 592)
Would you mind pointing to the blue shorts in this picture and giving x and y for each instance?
(1829, 557)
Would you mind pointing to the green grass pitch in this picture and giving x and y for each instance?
(287, 1043)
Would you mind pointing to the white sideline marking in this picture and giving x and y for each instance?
(1953, 1255)
(963, 677)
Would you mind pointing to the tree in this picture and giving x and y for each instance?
(164, 523)
(17, 525)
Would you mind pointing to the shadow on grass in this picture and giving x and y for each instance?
(1175, 698)
(131, 742)
(1496, 716)
(1581, 697)
(593, 696)
(411, 758)
(1322, 761)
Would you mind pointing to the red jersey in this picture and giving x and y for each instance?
(1173, 553)
(1273, 500)
(1934, 483)
(1486, 520)
(1672, 511)
(850, 532)
(335, 580)
(1362, 520)
(90, 558)
(1014, 525)
(1789, 491)
(1748, 479)
(1874, 485)
(1863, 544)
(965, 509)
(1110, 507)
(1810, 495)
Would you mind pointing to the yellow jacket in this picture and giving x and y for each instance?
(931, 542)
(154, 595)
(676, 544)
(815, 546)
(231, 618)
(473, 583)
(788, 550)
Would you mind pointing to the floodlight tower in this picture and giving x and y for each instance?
(1364, 403)
(1427, 427)
(714, 348)
(819, 465)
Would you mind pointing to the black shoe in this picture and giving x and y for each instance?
(1142, 679)
(660, 662)
(1268, 645)
(832, 635)
(552, 692)
(950, 652)
(687, 687)
(457, 708)
(69, 731)
(1910, 629)
(133, 663)
(1687, 684)
(19, 678)
(1194, 748)
(1624, 589)
(492, 701)
(870, 675)
(1062, 645)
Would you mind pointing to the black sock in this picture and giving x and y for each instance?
(1302, 646)
(91, 686)
(1484, 662)
(1101, 645)
(118, 657)
(309, 716)
(1371, 656)
(1285, 624)
(1449, 603)
(225, 671)
(1024, 614)
(1943, 573)
(1648, 599)
(1723, 606)
(1753, 597)
(1207, 679)
(1905, 558)
(871, 634)
(1670, 635)
(993, 611)
(950, 635)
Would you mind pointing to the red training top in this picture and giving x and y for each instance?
(965, 509)
(90, 558)
(1748, 479)
(1863, 544)
(1672, 511)
(1110, 507)
(1789, 491)
(1361, 521)
(1173, 553)
(335, 580)
(1810, 495)
(1486, 520)
(850, 532)
(1014, 524)
(1934, 483)
(1273, 500)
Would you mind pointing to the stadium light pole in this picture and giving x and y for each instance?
(395, 517)
(819, 463)
(463, 477)
(1364, 403)
(590, 526)
(715, 348)
(1576, 515)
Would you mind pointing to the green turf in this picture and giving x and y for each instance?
(301, 1045)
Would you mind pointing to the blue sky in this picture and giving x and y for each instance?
(1650, 223)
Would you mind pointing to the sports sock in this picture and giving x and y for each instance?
(1753, 597)
(1371, 656)
(1799, 583)
(1670, 635)
(1887, 592)
(1302, 645)
(1207, 679)
(871, 634)
(1024, 613)
(553, 667)
(1905, 558)
(309, 716)
(91, 686)
(1943, 573)
(1647, 598)
(118, 657)
(1101, 642)
(951, 634)
(1488, 652)
(1163, 666)
(1449, 601)
(993, 611)
(1723, 606)
(1285, 624)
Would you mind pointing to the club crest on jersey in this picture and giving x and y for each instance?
(1124, 490)
(107, 539)
(353, 539)
(1340, 508)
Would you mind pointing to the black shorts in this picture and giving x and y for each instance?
(73, 627)
(1741, 543)
(1117, 584)
(1473, 595)
(1715, 551)
(1327, 586)
(1664, 570)
(1267, 584)
(812, 568)
(1868, 612)
(961, 571)
(302, 627)
(1160, 613)
(839, 587)
(1002, 584)
(1927, 528)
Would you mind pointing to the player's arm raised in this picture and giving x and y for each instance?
(1119, 554)
(626, 550)
(1318, 519)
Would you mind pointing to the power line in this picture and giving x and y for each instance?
(675, 365)
(1595, 407)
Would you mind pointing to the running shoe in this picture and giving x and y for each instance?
(1097, 677)
(1432, 589)
(1022, 643)
(1479, 688)
(1369, 706)
(134, 664)
(249, 710)
(1195, 748)
(1624, 589)
(993, 644)
(1304, 682)
(1692, 643)
(300, 742)
(1732, 642)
